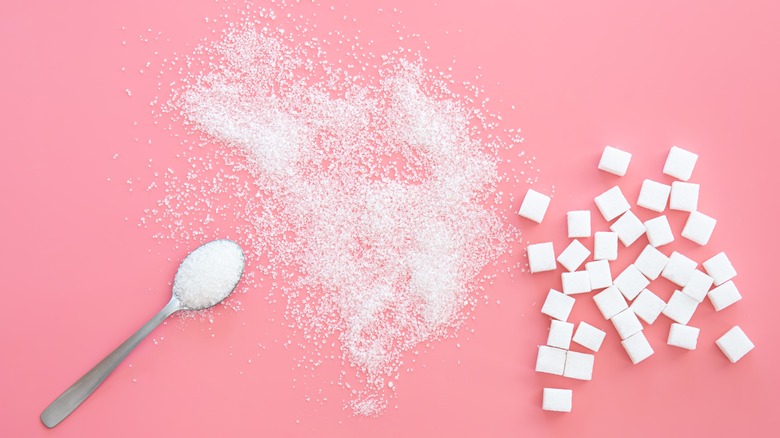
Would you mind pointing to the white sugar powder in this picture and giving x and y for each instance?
(372, 196)
(208, 274)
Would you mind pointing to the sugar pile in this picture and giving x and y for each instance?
(373, 196)
(208, 274)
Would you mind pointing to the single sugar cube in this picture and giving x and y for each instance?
(680, 163)
(679, 269)
(698, 228)
(577, 282)
(626, 323)
(560, 334)
(651, 262)
(630, 282)
(578, 223)
(541, 257)
(659, 232)
(612, 203)
(637, 347)
(614, 161)
(534, 206)
(680, 307)
(683, 336)
(588, 336)
(724, 295)
(628, 228)
(557, 305)
(698, 286)
(735, 344)
(578, 365)
(572, 257)
(556, 400)
(684, 196)
(610, 302)
(653, 195)
(648, 306)
(720, 268)
(605, 245)
(550, 360)
(600, 274)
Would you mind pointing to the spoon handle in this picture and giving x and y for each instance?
(66, 403)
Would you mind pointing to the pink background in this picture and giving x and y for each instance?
(77, 278)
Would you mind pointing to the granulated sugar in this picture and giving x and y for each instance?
(372, 195)
(208, 274)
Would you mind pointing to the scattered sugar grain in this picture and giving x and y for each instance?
(648, 306)
(589, 336)
(719, 267)
(735, 344)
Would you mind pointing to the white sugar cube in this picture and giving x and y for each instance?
(560, 334)
(557, 305)
(680, 163)
(698, 228)
(578, 365)
(605, 245)
(653, 195)
(541, 257)
(637, 347)
(577, 282)
(572, 257)
(651, 262)
(556, 400)
(610, 302)
(659, 232)
(735, 344)
(588, 336)
(698, 286)
(680, 307)
(628, 228)
(626, 323)
(684, 196)
(724, 295)
(600, 274)
(612, 203)
(720, 268)
(614, 161)
(630, 282)
(578, 223)
(534, 206)
(679, 269)
(550, 360)
(683, 336)
(647, 306)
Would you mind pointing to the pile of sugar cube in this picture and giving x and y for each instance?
(626, 298)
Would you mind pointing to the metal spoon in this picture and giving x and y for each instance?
(192, 269)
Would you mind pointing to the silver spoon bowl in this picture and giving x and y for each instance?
(181, 299)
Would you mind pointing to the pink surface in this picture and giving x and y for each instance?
(78, 277)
